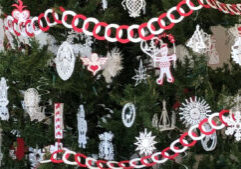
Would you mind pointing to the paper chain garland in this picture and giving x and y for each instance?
(28, 27)
(178, 146)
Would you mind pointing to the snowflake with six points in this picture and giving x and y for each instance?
(145, 143)
(194, 111)
(234, 125)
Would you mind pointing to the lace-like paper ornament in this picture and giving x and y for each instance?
(128, 114)
(234, 125)
(200, 41)
(164, 123)
(113, 65)
(145, 143)
(236, 51)
(106, 149)
(193, 111)
(158, 51)
(4, 114)
(141, 75)
(209, 142)
(134, 7)
(65, 61)
(94, 63)
(213, 53)
(31, 104)
(35, 156)
(82, 127)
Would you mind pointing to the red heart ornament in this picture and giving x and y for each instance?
(94, 68)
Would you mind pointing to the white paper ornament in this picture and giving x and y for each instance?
(35, 157)
(106, 149)
(65, 61)
(200, 41)
(158, 51)
(4, 114)
(134, 7)
(82, 127)
(113, 64)
(31, 104)
(164, 123)
(141, 75)
(104, 4)
(1, 35)
(128, 114)
(145, 143)
(213, 53)
(1, 154)
(209, 142)
(236, 51)
(193, 111)
(234, 124)
(94, 63)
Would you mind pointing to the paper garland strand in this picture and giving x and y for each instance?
(29, 28)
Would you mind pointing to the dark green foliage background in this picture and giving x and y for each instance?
(25, 70)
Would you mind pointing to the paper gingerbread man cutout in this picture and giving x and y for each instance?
(164, 63)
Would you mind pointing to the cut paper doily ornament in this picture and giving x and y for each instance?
(194, 110)
(236, 51)
(128, 114)
(65, 61)
(134, 7)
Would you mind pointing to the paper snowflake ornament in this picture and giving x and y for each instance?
(82, 127)
(141, 75)
(128, 114)
(193, 111)
(94, 63)
(19, 14)
(31, 104)
(200, 41)
(35, 156)
(236, 51)
(145, 143)
(134, 7)
(159, 52)
(113, 65)
(209, 142)
(106, 149)
(234, 125)
(4, 113)
(65, 61)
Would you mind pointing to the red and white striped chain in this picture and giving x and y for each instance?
(188, 139)
(110, 32)
(232, 9)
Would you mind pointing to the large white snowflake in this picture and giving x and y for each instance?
(145, 143)
(194, 110)
(234, 125)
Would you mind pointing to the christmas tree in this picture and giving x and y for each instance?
(127, 92)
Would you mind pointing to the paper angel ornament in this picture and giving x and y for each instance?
(94, 63)
(200, 41)
(31, 104)
(4, 114)
(65, 61)
(82, 127)
(159, 53)
(134, 7)
(106, 149)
